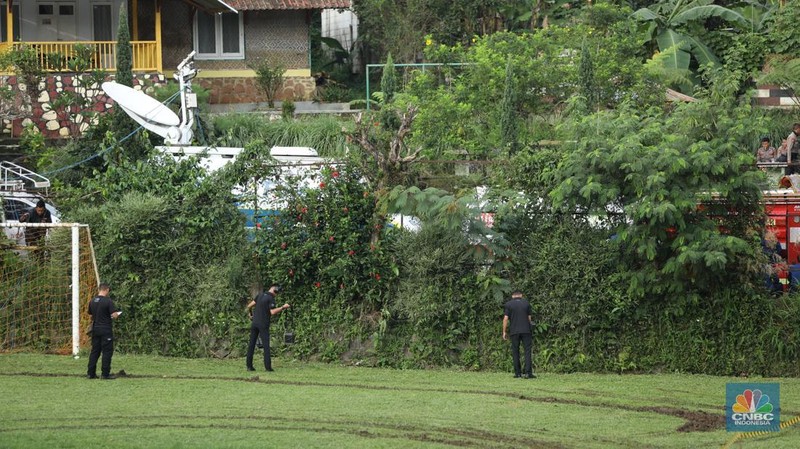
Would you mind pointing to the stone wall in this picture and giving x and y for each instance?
(56, 121)
(246, 90)
(59, 123)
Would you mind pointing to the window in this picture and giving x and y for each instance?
(15, 19)
(101, 22)
(218, 36)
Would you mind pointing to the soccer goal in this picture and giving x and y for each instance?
(48, 275)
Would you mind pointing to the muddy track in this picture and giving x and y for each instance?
(458, 437)
(695, 421)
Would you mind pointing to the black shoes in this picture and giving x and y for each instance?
(517, 376)
(91, 376)
(270, 370)
(529, 376)
(250, 368)
(109, 377)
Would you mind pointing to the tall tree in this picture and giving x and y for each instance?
(388, 80)
(588, 86)
(509, 131)
(675, 178)
(124, 52)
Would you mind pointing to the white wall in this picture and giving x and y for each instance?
(29, 18)
(342, 26)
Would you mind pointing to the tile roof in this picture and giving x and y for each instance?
(245, 5)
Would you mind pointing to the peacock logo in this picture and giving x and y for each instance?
(752, 401)
(752, 407)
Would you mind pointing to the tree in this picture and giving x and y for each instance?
(509, 136)
(586, 79)
(676, 178)
(269, 79)
(669, 24)
(388, 80)
(124, 52)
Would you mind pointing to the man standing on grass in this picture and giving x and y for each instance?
(265, 307)
(102, 310)
(518, 313)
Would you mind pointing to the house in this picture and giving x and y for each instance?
(228, 36)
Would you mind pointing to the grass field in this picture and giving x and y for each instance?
(46, 402)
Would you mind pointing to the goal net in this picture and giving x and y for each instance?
(48, 275)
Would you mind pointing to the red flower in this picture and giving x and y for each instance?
(345, 210)
(377, 277)
(291, 272)
(303, 210)
(322, 185)
(335, 174)
(317, 284)
(258, 225)
(330, 239)
(341, 285)
(351, 252)
(283, 245)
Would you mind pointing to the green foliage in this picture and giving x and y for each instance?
(319, 246)
(784, 37)
(269, 79)
(287, 109)
(783, 71)
(586, 80)
(669, 26)
(165, 91)
(323, 133)
(32, 143)
(75, 106)
(509, 137)
(388, 80)
(171, 243)
(124, 73)
(656, 169)
(25, 62)
(333, 93)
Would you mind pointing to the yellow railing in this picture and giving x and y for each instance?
(55, 56)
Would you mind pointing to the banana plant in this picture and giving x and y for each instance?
(669, 25)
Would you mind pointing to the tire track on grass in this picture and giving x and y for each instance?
(695, 421)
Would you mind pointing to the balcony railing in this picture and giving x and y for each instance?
(55, 56)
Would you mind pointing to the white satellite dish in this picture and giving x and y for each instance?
(153, 115)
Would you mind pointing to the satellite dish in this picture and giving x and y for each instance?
(146, 110)
(153, 115)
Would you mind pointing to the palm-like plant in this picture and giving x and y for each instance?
(669, 25)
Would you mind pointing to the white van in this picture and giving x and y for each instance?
(15, 203)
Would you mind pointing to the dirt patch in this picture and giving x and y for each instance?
(696, 421)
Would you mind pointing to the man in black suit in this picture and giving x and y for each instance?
(265, 307)
(517, 312)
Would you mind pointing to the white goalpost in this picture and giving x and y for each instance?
(48, 273)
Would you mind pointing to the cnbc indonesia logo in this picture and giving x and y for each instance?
(752, 408)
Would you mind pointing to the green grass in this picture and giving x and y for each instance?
(187, 403)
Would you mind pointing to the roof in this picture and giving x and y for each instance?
(211, 6)
(675, 96)
(245, 5)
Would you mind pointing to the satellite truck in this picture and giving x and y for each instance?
(177, 133)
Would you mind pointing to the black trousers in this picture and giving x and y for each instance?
(255, 332)
(101, 342)
(525, 339)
